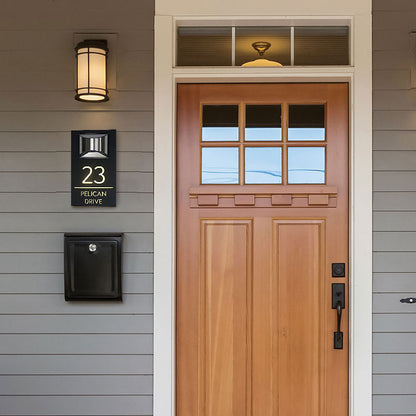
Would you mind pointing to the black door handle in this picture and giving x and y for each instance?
(338, 303)
(338, 336)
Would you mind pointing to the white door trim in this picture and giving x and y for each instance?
(359, 78)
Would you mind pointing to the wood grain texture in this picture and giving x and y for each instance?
(258, 276)
(298, 266)
(225, 270)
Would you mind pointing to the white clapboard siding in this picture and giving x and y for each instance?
(56, 357)
(394, 204)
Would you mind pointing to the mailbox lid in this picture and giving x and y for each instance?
(93, 266)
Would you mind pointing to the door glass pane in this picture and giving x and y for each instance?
(306, 123)
(219, 165)
(263, 122)
(326, 45)
(204, 46)
(306, 164)
(278, 37)
(263, 165)
(219, 123)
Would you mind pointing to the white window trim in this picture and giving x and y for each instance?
(359, 78)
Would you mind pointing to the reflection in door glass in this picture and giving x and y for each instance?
(263, 165)
(306, 123)
(306, 164)
(219, 123)
(263, 123)
(219, 165)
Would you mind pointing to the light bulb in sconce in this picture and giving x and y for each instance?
(261, 47)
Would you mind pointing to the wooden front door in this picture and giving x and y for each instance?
(262, 236)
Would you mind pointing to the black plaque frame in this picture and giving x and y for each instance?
(93, 173)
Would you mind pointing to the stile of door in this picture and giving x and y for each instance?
(262, 214)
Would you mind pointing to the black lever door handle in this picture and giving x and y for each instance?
(339, 316)
(338, 336)
(338, 303)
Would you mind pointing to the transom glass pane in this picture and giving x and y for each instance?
(219, 123)
(306, 164)
(263, 123)
(219, 165)
(204, 46)
(263, 165)
(306, 123)
(278, 37)
(325, 45)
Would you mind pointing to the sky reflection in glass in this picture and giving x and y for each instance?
(219, 165)
(263, 134)
(306, 164)
(219, 134)
(263, 165)
(306, 134)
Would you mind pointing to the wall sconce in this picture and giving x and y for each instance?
(91, 58)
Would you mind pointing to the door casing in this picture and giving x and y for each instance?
(359, 78)
(330, 219)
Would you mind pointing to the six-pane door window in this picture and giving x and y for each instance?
(278, 143)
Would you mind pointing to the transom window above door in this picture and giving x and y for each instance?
(248, 143)
(262, 46)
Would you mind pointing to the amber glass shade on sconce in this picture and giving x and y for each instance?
(91, 58)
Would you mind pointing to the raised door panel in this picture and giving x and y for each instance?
(225, 310)
(299, 269)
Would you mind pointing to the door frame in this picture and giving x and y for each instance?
(360, 205)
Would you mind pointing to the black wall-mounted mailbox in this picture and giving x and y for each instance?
(92, 266)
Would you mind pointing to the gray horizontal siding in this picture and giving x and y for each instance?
(52, 304)
(32, 182)
(51, 385)
(52, 263)
(76, 344)
(394, 205)
(76, 405)
(127, 141)
(51, 283)
(75, 364)
(61, 161)
(76, 324)
(57, 357)
(141, 242)
(398, 140)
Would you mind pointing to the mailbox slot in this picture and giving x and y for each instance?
(93, 266)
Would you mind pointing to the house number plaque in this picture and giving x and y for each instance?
(93, 168)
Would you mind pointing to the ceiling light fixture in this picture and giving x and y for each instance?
(261, 47)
